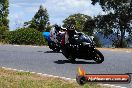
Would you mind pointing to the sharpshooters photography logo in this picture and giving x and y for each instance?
(83, 78)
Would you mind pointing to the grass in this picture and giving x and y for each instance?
(14, 79)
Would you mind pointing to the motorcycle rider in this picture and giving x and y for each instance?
(54, 32)
(69, 33)
(68, 39)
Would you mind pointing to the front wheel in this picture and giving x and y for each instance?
(99, 58)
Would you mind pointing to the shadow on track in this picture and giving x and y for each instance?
(52, 52)
(76, 62)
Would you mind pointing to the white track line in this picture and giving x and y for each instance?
(113, 86)
(64, 78)
(16, 45)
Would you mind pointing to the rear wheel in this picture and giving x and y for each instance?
(68, 55)
(71, 58)
(56, 49)
(67, 52)
(99, 58)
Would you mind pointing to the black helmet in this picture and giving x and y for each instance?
(71, 27)
(57, 27)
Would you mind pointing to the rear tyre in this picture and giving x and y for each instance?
(99, 58)
(55, 49)
(68, 54)
(71, 58)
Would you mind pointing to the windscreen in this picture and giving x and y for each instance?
(84, 38)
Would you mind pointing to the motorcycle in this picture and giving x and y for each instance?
(82, 47)
(53, 41)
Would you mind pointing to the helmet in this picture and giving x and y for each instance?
(71, 27)
(57, 27)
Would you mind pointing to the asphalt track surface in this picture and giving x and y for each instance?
(43, 60)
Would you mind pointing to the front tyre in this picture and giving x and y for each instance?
(99, 58)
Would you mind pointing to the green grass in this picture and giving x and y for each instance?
(13, 79)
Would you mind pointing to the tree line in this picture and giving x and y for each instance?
(117, 20)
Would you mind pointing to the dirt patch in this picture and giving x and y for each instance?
(117, 49)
